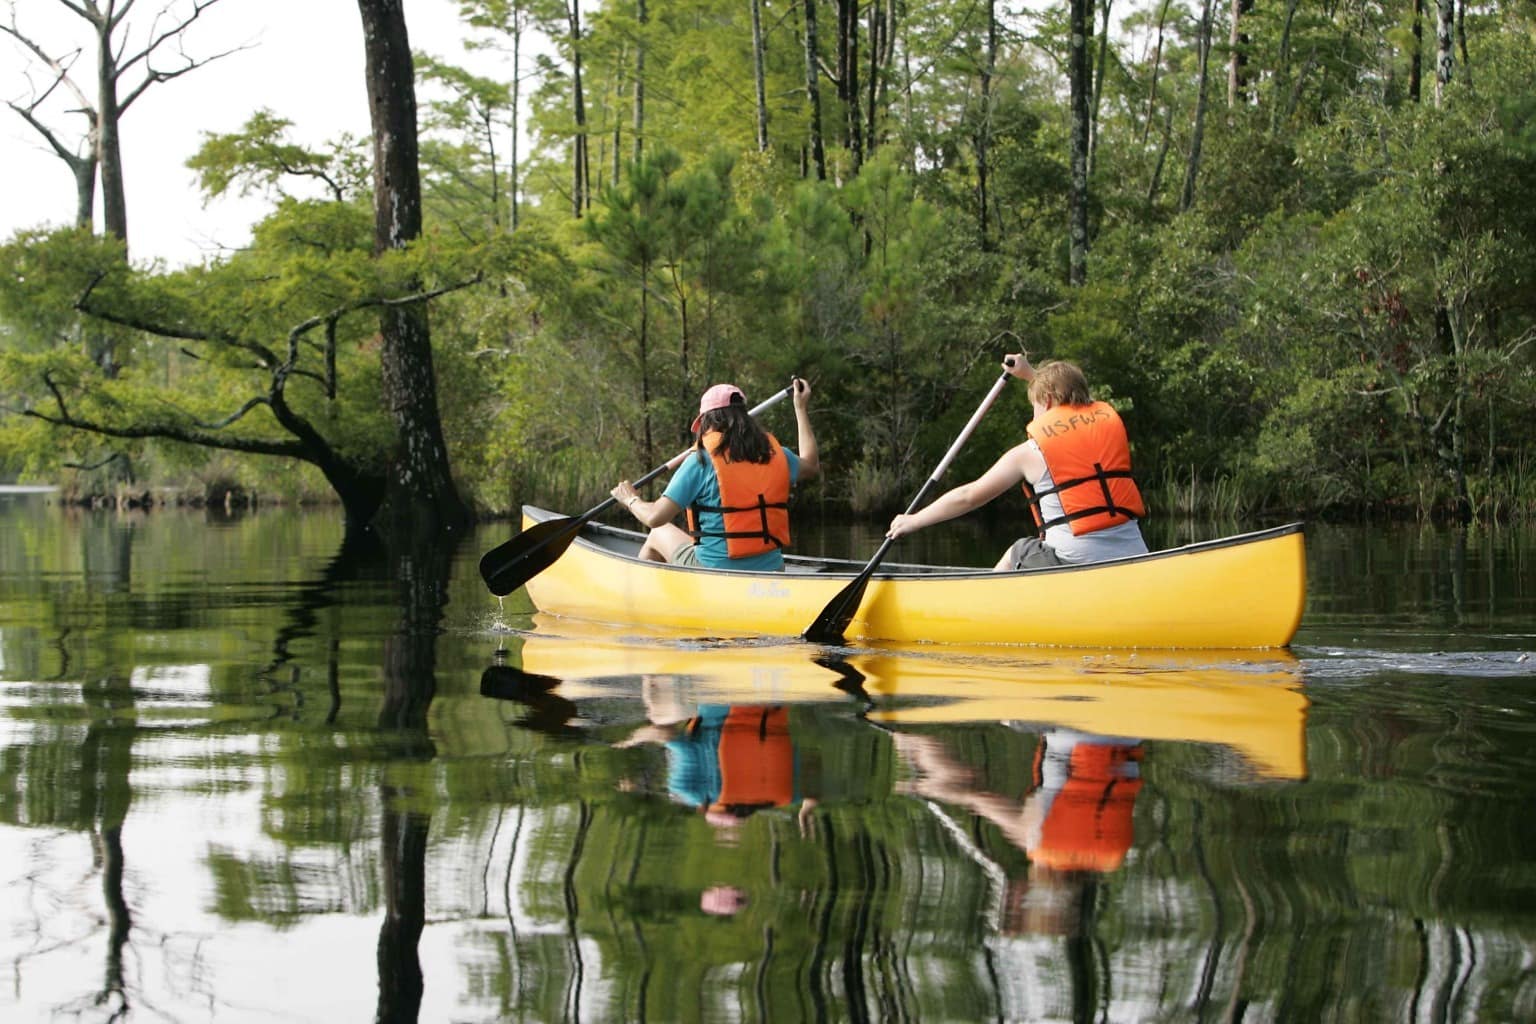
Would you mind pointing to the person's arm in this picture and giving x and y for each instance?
(650, 513)
(805, 443)
(1006, 472)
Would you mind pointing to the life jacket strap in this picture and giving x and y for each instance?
(761, 508)
(1101, 476)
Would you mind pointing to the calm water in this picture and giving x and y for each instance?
(246, 776)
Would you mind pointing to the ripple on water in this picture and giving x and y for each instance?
(1350, 663)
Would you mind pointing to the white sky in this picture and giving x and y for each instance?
(304, 61)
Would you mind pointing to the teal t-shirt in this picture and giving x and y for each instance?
(695, 483)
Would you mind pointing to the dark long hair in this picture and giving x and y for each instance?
(741, 439)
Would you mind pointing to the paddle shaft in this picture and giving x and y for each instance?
(509, 565)
(834, 618)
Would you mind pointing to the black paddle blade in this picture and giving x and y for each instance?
(832, 623)
(508, 566)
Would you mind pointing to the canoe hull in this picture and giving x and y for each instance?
(1244, 592)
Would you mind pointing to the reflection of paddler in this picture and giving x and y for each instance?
(1075, 823)
(1079, 814)
(757, 760)
(733, 760)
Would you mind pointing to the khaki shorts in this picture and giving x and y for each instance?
(1032, 553)
(688, 554)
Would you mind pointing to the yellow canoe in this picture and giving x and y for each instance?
(1251, 704)
(1239, 592)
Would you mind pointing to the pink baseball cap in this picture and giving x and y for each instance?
(718, 397)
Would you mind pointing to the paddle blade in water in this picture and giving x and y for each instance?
(832, 623)
(508, 566)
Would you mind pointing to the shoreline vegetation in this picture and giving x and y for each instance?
(1295, 254)
(1189, 498)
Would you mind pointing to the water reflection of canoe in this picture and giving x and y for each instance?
(1253, 705)
(1241, 592)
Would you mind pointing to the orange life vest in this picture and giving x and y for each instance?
(757, 758)
(1089, 824)
(754, 500)
(1089, 457)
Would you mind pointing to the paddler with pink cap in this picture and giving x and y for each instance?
(735, 488)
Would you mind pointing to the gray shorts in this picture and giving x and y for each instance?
(688, 554)
(1032, 553)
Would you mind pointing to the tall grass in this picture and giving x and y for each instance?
(1180, 491)
(570, 482)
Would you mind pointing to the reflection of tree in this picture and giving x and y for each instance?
(359, 555)
(105, 759)
(410, 682)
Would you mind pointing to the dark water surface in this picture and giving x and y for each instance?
(248, 776)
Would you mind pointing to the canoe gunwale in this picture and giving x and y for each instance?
(823, 568)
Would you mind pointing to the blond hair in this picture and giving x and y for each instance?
(1060, 381)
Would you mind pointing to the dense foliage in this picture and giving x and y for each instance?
(1308, 287)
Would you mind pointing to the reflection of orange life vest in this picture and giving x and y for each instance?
(754, 499)
(757, 758)
(1088, 826)
(1089, 457)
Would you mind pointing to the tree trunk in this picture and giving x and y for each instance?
(813, 92)
(647, 437)
(1077, 195)
(1157, 66)
(640, 17)
(514, 171)
(1416, 57)
(1192, 169)
(759, 78)
(848, 79)
(1156, 183)
(1279, 113)
(882, 24)
(984, 130)
(109, 154)
(1461, 43)
(1452, 337)
(421, 497)
(1237, 63)
(581, 171)
(1098, 87)
(84, 172)
(1445, 55)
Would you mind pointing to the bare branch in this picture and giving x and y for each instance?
(92, 466)
(234, 417)
(85, 10)
(306, 326)
(58, 65)
(153, 77)
(158, 38)
(171, 432)
(71, 158)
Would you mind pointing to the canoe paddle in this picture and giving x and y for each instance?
(834, 618)
(508, 566)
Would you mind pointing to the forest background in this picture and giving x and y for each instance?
(1291, 240)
